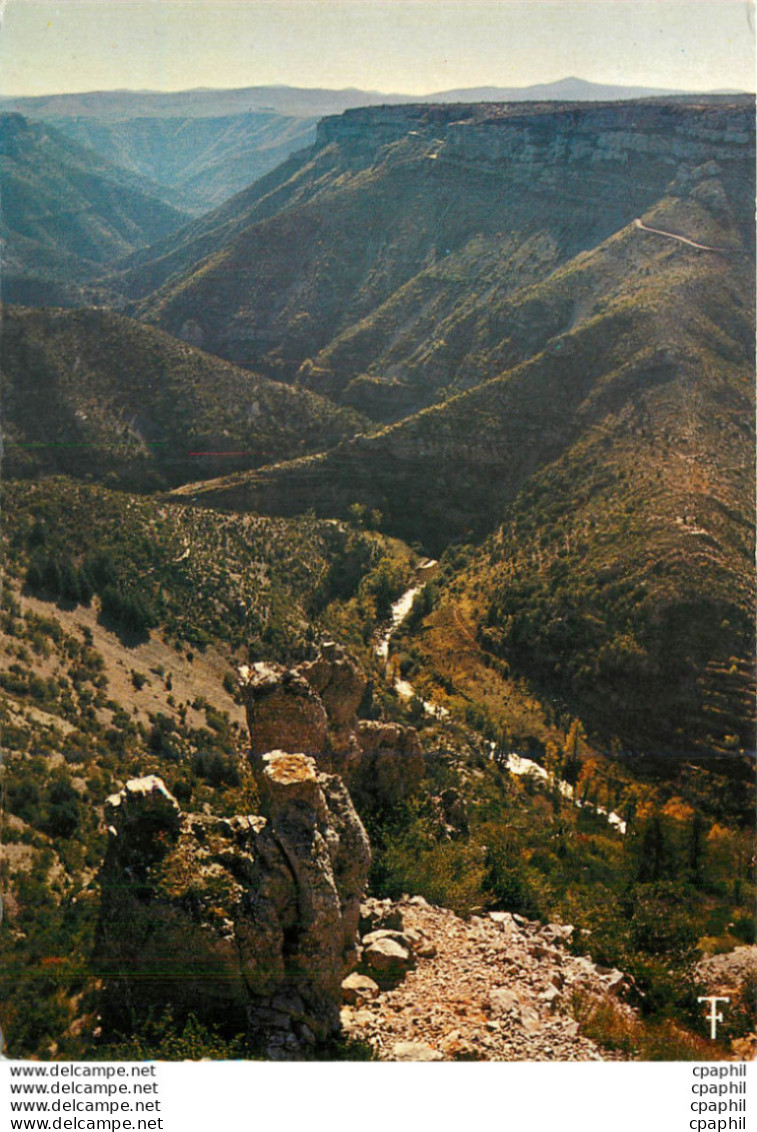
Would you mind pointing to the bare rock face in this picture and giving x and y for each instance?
(358, 989)
(250, 918)
(336, 678)
(387, 960)
(391, 764)
(283, 711)
(376, 914)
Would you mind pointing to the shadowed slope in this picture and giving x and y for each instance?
(93, 393)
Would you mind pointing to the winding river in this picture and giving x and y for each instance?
(513, 762)
(400, 610)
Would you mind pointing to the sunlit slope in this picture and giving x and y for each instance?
(381, 268)
(640, 314)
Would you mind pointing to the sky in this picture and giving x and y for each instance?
(393, 46)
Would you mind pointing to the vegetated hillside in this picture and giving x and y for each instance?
(621, 580)
(92, 393)
(640, 311)
(248, 583)
(380, 270)
(622, 453)
(66, 211)
(135, 676)
(295, 181)
(122, 623)
(199, 162)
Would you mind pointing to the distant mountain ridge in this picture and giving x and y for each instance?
(200, 147)
(301, 101)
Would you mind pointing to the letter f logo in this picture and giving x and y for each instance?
(714, 1016)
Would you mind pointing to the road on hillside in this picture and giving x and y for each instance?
(672, 236)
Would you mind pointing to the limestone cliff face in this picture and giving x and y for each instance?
(601, 137)
(384, 279)
(336, 678)
(250, 919)
(551, 136)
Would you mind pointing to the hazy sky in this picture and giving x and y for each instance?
(396, 46)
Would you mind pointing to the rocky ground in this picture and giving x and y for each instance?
(726, 972)
(495, 988)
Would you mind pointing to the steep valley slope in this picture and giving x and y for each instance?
(67, 212)
(93, 394)
(378, 266)
(605, 443)
(198, 162)
(516, 339)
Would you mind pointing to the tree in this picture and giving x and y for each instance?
(553, 764)
(62, 809)
(697, 848)
(571, 766)
(505, 879)
(357, 513)
(655, 856)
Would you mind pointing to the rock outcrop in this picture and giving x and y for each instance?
(250, 919)
(283, 711)
(313, 708)
(341, 684)
(729, 970)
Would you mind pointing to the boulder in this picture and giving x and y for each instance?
(543, 951)
(505, 921)
(454, 1047)
(386, 933)
(387, 960)
(557, 933)
(504, 1003)
(615, 983)
(358, 989)
(530, 1020)
(376, 914)
(551, 996)
(415, 1051)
